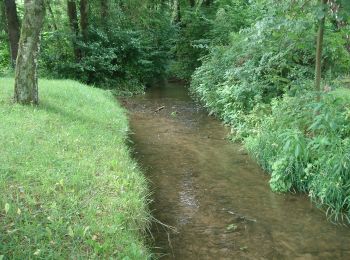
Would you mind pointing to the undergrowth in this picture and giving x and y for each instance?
(259, 82)
(305, 145)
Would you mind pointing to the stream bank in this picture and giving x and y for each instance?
(214, 195)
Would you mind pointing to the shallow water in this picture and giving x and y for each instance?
(214, 196)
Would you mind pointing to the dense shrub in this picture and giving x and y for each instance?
(305, 145)
(4, 58)
(192, 43)
(257, 80)
(262, 62)
(203, 27)
(4, 50)
(123, 53)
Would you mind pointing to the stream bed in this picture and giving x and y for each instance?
(213, 195)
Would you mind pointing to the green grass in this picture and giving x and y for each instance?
(69, 188)
(342, 92)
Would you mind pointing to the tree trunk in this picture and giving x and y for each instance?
(54, 24)
(319, 48)
(13, 28)
(176, 12)
(104, 12)
(84, 23)
(84, 18)
(73, 22)
(207, 2)
(26, 79)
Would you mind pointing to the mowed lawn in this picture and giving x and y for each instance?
(69, 188)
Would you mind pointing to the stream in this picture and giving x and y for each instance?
(214, 197)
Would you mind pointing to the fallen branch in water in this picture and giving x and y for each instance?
(158, 109)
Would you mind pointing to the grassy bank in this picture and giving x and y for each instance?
(69, 189)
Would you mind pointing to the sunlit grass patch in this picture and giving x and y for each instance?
(69, 189)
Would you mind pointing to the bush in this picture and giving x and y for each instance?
(192, 43)
(125, 54)
(204, 27)
(5, 56)
(305, 145)
(264, 61)
(257, 82)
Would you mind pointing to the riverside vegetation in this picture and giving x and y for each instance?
(251, 63)
(259, 81)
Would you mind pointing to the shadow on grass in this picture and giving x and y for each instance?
(77, 117)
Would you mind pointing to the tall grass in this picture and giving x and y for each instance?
(69, 189)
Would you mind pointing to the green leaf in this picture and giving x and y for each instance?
(345, 5)
(320, 13)
(86, 229)
(297, 150)
(7, 208)
(70, 232)
(286, 146)
(243, 248)
(231, 227)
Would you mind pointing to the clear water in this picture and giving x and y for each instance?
(215, 197)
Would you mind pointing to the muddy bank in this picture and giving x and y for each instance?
(217, 198)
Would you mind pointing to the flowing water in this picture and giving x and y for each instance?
(216, 199)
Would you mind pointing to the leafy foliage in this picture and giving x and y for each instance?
(305, 146)
(204, 26)
(250, 63)
(4, 46)
(124, 52)
(257, 81)
(191, 44)
(4, 57)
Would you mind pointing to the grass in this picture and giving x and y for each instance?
(69, 188)
(342, 92)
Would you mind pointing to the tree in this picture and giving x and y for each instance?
(192, 3)
(207, 2)
(73, 22)
(176, 12)
(26, 79)
(52, 15)
(319, 46)
(84, 18)
(13, 28)
(104, 12)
